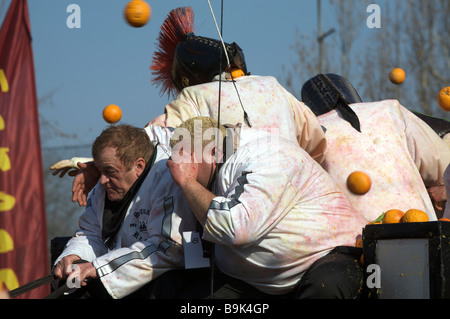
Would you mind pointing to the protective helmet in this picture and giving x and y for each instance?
(325, 92)
(198, 60)
(185, 59)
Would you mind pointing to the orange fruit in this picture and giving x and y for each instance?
(443, 99)
(358, 183)
(112, 114)
(359, 243)
(444, 219)
(237, 73)
(397, 76)
(414, 216)
(137, 13)
(392, 216)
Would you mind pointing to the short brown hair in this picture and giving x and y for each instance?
(129, 141)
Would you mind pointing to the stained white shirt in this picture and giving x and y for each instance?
(276, 212)
(400, 153)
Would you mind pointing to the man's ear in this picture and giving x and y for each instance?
(139, 165)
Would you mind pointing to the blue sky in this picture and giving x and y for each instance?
(107, 62)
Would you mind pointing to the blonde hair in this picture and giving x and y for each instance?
(202, 127)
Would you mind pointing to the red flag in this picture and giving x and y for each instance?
(23, 229)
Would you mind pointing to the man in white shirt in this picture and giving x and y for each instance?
(196, 70)
(273, 214)
(402, 154)
(130, 232)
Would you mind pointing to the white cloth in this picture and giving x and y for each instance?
(400, 153)
(148, 243)
(269, 107)
(276, 212)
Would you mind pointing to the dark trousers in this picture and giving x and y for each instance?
(338, 275)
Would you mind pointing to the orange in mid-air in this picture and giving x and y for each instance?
(397, 76)
(137, 13)
(414, 216)
(112, 114)
(443, 99)
(393, 216)
(359, 183)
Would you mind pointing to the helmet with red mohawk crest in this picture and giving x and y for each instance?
(184, 59)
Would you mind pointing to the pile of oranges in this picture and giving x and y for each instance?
(393, 216)
(396, 216)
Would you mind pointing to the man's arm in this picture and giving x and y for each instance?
(199, 199)
(429, 151)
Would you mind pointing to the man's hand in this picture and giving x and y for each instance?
(84, 182)
(438, 197)
(198, 197)
(183, 172)
(85, 271)
(63, 268)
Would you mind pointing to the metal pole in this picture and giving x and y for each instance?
(320, 35)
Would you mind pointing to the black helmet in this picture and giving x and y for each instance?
(325, 92)
(185, 59)
(198, 60)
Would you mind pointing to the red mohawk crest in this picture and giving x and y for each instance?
(179, 22)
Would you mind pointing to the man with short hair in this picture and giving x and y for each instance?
(274, 213)
(130, 232)
(196, 69)
(400, 152)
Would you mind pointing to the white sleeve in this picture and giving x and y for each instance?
(127, 269)
(161, 136)
(430, 153)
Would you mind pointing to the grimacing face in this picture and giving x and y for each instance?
(113, 174)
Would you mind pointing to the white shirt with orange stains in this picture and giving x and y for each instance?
(149, 241)
(400, 153)
(269, 107)
(276, 212)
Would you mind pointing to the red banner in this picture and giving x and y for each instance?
(23, 229)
